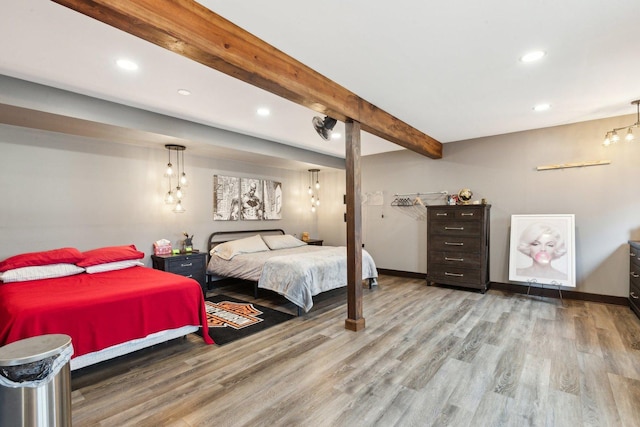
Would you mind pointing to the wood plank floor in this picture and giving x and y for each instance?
(429, 356)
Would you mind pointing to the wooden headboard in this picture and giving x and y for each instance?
(218, 237)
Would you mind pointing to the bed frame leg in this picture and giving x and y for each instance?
(299, 311)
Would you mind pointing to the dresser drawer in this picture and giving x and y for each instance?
(453, 275)
(471, 213)
(634, 296)
(456, 228)
(438, 243)
(458, 260)
(634, 259)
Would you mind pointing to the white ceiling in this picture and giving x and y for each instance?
(450, 69)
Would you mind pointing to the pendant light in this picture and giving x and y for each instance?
(315, 198)
(174, 196)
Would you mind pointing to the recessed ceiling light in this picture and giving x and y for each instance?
(184, 92)
(263, 112)
(541, 107)
(127, 64)
(533, 56)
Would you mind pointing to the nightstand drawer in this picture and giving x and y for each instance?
(191, 265)
(186, 265)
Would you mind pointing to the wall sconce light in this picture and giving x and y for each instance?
(612, 136)
(175, 195)
(314, 182)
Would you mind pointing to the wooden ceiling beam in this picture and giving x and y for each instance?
(191, 30)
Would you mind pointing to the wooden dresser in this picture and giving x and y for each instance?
(634, 276)
(458, 245)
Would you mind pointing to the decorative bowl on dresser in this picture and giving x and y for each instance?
(634, 276)
(458, 245)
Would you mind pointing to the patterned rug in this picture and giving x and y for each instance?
(231, 319)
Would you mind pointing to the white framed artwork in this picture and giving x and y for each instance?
(542, 249)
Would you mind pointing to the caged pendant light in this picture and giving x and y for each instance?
(175, 195)
(612, 136)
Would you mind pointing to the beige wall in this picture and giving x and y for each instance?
(502, 169)
(60, 190)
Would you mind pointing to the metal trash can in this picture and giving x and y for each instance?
(35, 382)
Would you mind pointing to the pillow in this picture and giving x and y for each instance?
(110, 266)
(54, 256)
(282, 242)
(110, 254)
(38, 272)
(247, 245)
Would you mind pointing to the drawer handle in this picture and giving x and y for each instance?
(441, 214)
(467, 214)
(186, 265)
(453, 259)
(453, 274)
(634, 274)
(454, 243)
(454, 228)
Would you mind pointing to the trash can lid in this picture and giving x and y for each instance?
(33, 349)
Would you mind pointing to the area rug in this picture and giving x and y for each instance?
(230, 319)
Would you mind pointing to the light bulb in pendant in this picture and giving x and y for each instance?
(629, 136)
(168, 198)
(310, 191)
(183, 180)
(317, 185)
(179, 208)
(615, 137)
(313, 208)
(317, 202)
(169, 170)
(179, 193)
(313, 200)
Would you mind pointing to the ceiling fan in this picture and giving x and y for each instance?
(324, 127)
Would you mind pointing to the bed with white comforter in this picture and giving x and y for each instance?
(298, 273)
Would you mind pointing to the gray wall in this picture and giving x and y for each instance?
(62, 190)
(502, 169)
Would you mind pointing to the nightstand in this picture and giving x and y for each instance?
(314, 242)
(191, 265)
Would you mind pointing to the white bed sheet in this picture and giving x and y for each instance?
(130, 346)
(297, 273)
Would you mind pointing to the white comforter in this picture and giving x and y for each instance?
(298, 274)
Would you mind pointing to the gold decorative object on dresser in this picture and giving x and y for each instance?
(458, 245)
(634, 276)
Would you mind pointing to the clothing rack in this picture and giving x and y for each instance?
(412, 203)
(424, 193)
(412, 199)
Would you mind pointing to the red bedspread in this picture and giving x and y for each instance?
(103, 309)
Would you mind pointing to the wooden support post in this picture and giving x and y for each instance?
(354, 321)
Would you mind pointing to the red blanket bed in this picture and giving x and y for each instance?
(103, 309)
